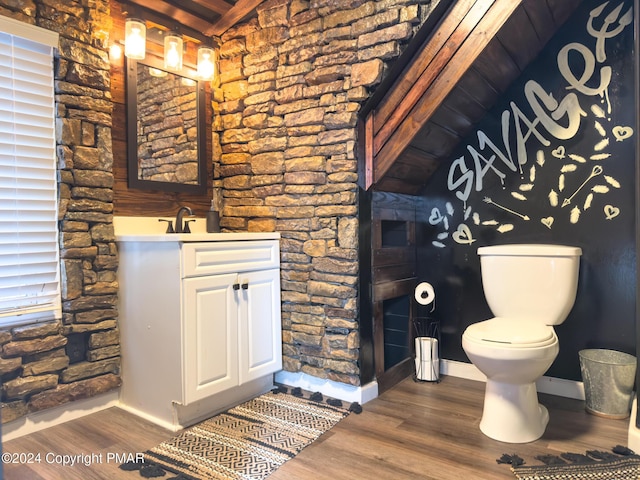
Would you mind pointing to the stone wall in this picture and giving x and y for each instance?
(46, 365)
(291, 84)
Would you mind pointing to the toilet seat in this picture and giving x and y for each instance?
(511, 333)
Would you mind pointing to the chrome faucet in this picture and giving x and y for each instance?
(182, 227)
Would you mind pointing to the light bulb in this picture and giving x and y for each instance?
(135, 39)
(173, 52)
(206, 67)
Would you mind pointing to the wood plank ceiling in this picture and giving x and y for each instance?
(199, 19)
(465, 64)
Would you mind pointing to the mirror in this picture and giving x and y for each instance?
(166, 124)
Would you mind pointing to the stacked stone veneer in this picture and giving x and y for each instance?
(46, 365)
(167, 128)
(292, 83)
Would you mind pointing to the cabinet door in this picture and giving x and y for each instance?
(260, 324)
(210, 348)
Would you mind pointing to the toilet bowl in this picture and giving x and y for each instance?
(529, 288)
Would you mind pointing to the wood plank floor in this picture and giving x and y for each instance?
(413, 431)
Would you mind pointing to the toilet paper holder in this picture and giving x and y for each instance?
(427, 349)
(427, 336)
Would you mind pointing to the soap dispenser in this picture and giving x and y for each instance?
(213, 219)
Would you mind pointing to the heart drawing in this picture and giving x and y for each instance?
(435, 217)
(611, 212)
(558, 152)
(622, 132)
(463, 235)
(547, 222)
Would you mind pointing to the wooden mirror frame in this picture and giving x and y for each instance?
(132, 138)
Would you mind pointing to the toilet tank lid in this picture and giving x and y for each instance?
(531, 249)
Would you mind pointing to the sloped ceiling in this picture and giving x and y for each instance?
(196, 18)
(441, 89)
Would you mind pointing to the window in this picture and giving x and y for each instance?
(29, 258)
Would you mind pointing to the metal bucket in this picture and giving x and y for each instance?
(608, 377)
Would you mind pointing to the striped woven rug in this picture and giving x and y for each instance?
(619, 464)
(248, 442)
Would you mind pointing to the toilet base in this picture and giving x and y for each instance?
(512, 413)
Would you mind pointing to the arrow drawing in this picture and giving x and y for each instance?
(597, 170)
(488, 200)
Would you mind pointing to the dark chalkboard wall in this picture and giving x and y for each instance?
(591, 172)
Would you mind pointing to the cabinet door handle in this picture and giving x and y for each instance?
(245, 286)
(236, 286)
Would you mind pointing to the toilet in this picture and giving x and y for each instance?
(529, 288)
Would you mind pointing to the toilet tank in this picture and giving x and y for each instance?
(528, 281)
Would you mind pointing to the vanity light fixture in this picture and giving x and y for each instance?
(135, 39)
(173, 47)
(206, 63)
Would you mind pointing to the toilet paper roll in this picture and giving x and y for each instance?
(424, 293)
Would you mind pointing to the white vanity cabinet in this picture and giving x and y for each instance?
(200, 325)
(231, 299)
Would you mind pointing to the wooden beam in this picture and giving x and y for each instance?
(233, 16)
(423, 59)
(434, 70)
(171, 17)
(218, 6)
(368, 151)
(387, 184)
(434, 92)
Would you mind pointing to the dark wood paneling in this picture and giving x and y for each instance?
(388, 273)
(527, 45)
(393, 256)
(561, 10)
(393, 274)
(482, 92)
(439, 143)
(393, 289)
(451, 118)
(414, 167)
(497, 66)
(397, 185)
(395, 375)
(541, 19)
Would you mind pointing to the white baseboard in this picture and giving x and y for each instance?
(148, 417)
(350, 393)
(329, 388)
(37, 421)
(550, 385)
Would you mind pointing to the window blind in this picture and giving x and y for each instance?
(29, 257)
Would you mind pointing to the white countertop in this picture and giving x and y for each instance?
(197, 237)
(149, 229)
